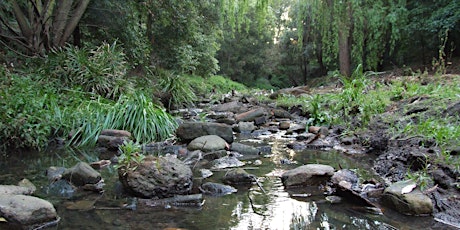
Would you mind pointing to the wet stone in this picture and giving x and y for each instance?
(238, 176)
(406, 199)
(226, 162)
(216, 189)
(309, 175)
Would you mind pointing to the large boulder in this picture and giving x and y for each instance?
(207, 143)
(404, 197)
(191, 130)
(157, 177)
(308, 175)
(27, 211)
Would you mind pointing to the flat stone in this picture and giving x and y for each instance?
(308, 175)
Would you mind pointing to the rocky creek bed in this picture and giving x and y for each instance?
(245, 165)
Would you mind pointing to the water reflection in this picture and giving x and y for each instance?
(272, 207)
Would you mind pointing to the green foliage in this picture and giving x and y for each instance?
(182, 35)
(137, 114)
(130, 155)
(117, 21)
(214, 84)
(356, 99)
(100, 71)
(318, 114)
(177, 90)
(30, 111)
(421, 177)
(248, 55)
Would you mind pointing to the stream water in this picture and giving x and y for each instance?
(269, 207)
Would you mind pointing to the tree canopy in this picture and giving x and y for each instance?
(272, 42)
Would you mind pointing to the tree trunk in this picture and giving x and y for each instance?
(73, 21)
(344, 54)
(345, 32)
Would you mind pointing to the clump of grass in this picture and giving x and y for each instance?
(176, 90)
(137, 114)
(100, 70)
(214, 84)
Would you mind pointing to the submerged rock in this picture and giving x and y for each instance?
(244, 149)
(157, 177)
(309, 175)
(226, 162)
(216, 189)
(61, 188)
(194, 200)
(404, 197)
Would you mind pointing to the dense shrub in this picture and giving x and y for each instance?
(100, 70)
(28, 111)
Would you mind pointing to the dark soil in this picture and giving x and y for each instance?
(398, 156)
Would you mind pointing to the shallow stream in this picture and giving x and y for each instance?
(268, 206)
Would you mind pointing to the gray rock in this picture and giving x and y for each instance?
(191, 130)
(309, 175)
(345, 175)
(205, 173)
(297, 128)
(27, 211)
(238, 176)
(260, 120)
(82, 174)
(233, 106)
(405, 198)
(116, 133)
(245, 127)
(244, 149)
(15, 190)
(280, 113)
(250, 115)
(111, 142)
(214, 155)
(284, 125)
(295, 91)
(54, 173)
(207, 143)
(216, 189)
(226, 162)
(157, 177)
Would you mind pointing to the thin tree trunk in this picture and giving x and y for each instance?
(76, 16)
(345, 32)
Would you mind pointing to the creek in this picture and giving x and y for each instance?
(268, 206)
